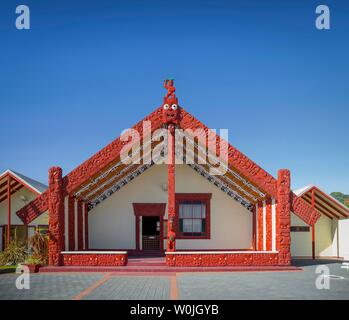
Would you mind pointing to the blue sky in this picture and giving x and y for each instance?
(86, 70)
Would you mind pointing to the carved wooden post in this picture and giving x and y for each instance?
(171, 233)
(80, 226)
(284, 216)
(170, 118)
(71, 223)
(56, 216)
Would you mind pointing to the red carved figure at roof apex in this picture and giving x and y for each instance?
(169, 85)
(170, 108)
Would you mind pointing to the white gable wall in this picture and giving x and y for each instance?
(112, 222)
(325, 238)
(343, 234)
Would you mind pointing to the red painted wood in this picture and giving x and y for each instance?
(8, 209)
(313, 226)
(254, 227)
(137, 222)
(171, 229)
(80, 226)
(13, 187)
(149, 209)
(222, 259)
(260, 226)
(71, 223)
(56, 216)
(283, 210)
(86, 226)
(268, 225)
(77, 259)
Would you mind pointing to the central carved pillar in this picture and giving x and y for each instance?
(284, 217)
(56, 216)
(171, 232)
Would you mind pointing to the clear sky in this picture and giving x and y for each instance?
(86, 70)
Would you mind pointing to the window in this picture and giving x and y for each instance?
(43, 229)
(18, 234)
(193, 215)
(300, 229)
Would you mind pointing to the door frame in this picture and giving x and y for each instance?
(149, 210)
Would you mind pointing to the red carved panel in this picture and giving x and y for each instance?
(77, 259)
(56, 216)
(107, 155)
(268, 225)
(303, 210)
(71, 223)
(254, 228)
(33, 209)
(80, 226)
(171, 202)
(283, 211)
(222, 259)
(260, 226)
(236, 159)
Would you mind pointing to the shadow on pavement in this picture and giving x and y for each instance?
(310, 262)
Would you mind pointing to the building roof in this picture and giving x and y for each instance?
(18, 181)
(323, 202)
(97, 178)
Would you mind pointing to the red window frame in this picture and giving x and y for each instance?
(194, 197)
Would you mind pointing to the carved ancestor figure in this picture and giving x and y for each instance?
(170, 108)
(169, 85)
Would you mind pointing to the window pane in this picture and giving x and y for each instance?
(197, 210)
(187, 210)
(197, 225)
(203, 223)
(180, 225)
(181, 210)
(203, 211)
(187, 225)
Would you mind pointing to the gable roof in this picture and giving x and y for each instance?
(18, 181)
(323, 202)
(103, 165)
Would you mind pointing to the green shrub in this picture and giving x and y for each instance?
(13, 254)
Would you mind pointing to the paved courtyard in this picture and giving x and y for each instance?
(224, 285)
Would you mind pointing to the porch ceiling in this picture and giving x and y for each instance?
(324, 203)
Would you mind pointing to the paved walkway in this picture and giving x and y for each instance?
(203, 286)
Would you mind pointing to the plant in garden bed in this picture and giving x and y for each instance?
(13, 254)
(33, 263)
(39, 247)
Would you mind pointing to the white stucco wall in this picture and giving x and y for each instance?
(300, 241)
(325, 238)
(112, 223)
(343, 234)
(231, 223)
